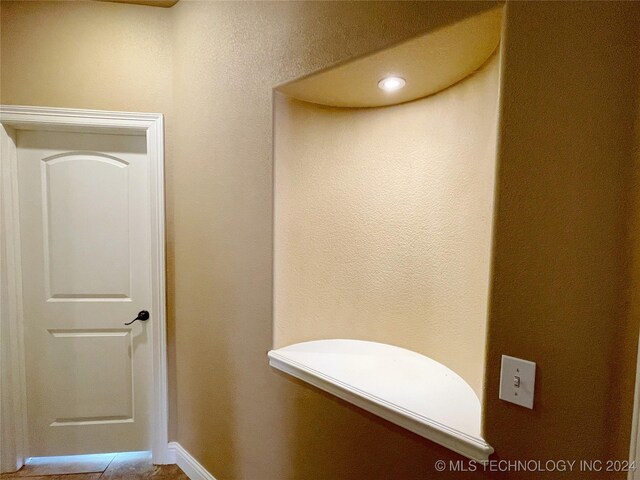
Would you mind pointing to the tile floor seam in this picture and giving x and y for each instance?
(108, 465)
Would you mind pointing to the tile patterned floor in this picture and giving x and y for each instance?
(119, 466)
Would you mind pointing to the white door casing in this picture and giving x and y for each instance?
(12, 388)
(81, 189)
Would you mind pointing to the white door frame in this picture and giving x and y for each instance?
(13, 415)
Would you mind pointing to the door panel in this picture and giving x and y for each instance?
(85, 206)
(85, 224)
(101, 358)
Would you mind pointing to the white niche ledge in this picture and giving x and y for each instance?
(399, 385)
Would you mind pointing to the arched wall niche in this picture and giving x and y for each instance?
(383, 230)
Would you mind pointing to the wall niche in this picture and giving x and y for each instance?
(383, 230)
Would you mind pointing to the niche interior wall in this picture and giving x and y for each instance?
(384, 200)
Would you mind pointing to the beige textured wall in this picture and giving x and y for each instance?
(559, 266)
(86, 55)
(633, 246)
(383, 222)
(559, 286)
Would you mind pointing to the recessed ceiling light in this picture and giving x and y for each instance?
(391, 84)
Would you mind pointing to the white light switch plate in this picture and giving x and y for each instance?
(516, 371)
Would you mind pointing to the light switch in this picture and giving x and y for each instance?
(517, 381)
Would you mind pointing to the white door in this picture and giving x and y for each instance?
(85, 229)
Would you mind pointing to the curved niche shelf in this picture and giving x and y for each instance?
(399, 385)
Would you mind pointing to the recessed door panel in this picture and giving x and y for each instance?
(86, 207)
(93, 377)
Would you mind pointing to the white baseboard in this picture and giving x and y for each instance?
(189, 465)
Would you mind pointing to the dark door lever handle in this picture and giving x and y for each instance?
(142, 316)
